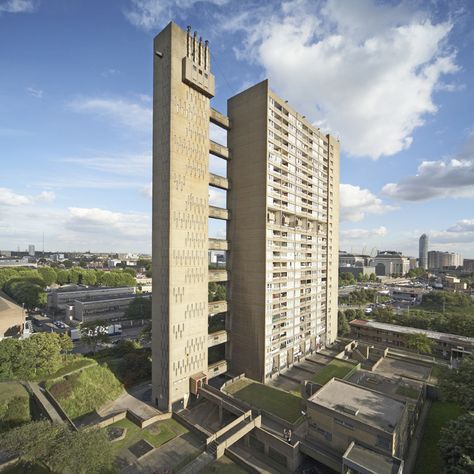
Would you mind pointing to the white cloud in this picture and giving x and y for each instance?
(149, 14)
(17, 6)
(131, 164)
(37, 93)
(364, 70)
(464, 225)
(356, 202)
(356, 234)
(123, 112)
(104, 222)
(10, 198)
(436, 179)
(46, 196)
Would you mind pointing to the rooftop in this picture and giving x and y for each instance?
(438, 336)
(362, 404)
(107, 299)
(370, 460)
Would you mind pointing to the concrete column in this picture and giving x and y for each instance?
(221, 413)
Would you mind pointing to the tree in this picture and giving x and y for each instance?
(457, 385)
(145, 334)
(66, 343)
(457, 445)
(48, 275)
(419, 343)
(139, 308)
(63, 277)
(27, 290)
(343, 328)
(58, 448)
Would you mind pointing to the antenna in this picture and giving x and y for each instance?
(43, 244)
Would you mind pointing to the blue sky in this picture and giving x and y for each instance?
(394, 80)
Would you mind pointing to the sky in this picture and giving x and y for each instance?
(394, 81)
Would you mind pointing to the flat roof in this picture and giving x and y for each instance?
(372, 461)
(359, 403)
(106, 299)
(80, 289)
(439, 336)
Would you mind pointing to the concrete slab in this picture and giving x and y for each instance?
(399, 368)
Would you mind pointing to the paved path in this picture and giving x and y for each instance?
(52, 413)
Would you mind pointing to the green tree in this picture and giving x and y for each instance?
(343, 328)
(67, 264)
(9, 350)
(221, 292)
(63, 277)
(65, 343)
(48, 275)
(457, 385)
(139, 308)
(27, 290)
(130, 271)
(457, 445)
(58, 448)
(419, 343)
(145, 333)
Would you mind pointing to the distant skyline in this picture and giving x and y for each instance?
(394, 80)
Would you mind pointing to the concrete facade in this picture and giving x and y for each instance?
(282, 219)
(341, 412)
(183, 85)
(437, 259)
(445, 345)
(61, 298)
(284, 227)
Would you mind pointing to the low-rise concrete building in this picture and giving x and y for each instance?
(61, 298)
(389, 263)
(100, 309)
(448, 346)
(341, 413)
(454, 283)
(12, 318)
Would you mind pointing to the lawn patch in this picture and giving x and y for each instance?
(72, 364)
(156, 434)
(336, 368)
(429, 457)
(14, 405)
(83, 392)
(406, 391)
(275, 401)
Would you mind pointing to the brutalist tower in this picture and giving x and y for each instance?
(282, 217)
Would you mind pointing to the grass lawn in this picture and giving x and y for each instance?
(335, 368)
(23, 468)
(407, 392)
(279, 403)
(83, 392)
(428, 460)
(157, 434)
(14, 405)
(225, 466)
(72, 364)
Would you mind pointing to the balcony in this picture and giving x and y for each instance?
(218, 150)
(218, 275)
(218, 244)
(219, 213)
(219, 181)
(219, 119)
(216, 338)
(216, 307)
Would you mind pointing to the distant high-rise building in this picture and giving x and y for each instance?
(282, 219)
(423, 252)
(31, 250)
(437, 259)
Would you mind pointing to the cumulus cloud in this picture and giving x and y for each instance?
(123, 112)
(452, 177)
(17, 6)
(104, 222)
(10, 198)
(355, 234)
(356, 202)
(149, 14)
(363, 70)
(46, 196)
(462, 232)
